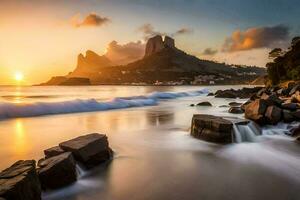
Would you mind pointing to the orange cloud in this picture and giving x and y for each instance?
(257, 37)
(90, 20)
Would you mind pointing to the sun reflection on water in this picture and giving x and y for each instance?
(21, 146)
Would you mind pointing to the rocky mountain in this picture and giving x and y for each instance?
(162, 55)
(156, 44)
(162, 63)
(89, 65)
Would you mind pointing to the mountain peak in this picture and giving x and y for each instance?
(169, 42)
(156, 44)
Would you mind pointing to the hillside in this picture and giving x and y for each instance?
(286, 64)
(163, 63)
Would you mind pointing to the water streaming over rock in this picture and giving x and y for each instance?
(80, 171)
(246, 132)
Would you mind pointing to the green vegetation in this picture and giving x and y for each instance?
(286, 64)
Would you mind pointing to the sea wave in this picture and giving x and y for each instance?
(12, 110)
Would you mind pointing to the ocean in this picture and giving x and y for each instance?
(148, 127)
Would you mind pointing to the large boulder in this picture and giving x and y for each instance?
(272, 99)
(20, 182)
(212, 128)
(204, 103)
(241, 93)
(287, 116)
(290, 106)
(53, 151)
(57, 171)
(226, 94)
(294, 131)
(90, 150)
(273, 114)
(296, 114)
(255, 110)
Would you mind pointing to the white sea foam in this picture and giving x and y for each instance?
(12, 110)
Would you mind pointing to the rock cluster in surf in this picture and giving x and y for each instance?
(20, 182)
(274, 104)
(266, 105)
(23, 181)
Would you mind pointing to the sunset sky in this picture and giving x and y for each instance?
(42, 38)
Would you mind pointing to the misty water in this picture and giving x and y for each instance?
(155, 156)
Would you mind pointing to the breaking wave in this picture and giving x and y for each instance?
(12, 110)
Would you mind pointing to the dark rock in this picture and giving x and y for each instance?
(273, 114)
(212, 128)
(253, 97)
(226, 94)
(260, 92)
(295, 131)
(296, 114)
(234, 104)
(290, 106)
(235, 110)
(204, 103)
(40, 162)
(251, 90)
(90, 150)
(57, 171)
(54, 151)
(274, 89)
(20, 182)
(192, 105)
(298, 139)
(242, 93)
(295, 88)
(272, 99)
(287, 116)
(280, 92)
(256, 110)
(210, 94)
(285, 91)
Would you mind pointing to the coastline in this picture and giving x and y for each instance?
(159, 136)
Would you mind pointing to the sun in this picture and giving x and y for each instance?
(19, 76)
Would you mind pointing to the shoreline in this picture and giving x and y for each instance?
(133, 139)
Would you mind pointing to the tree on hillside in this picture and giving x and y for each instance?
(286, 64)
(275, 53)
(295, 40)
